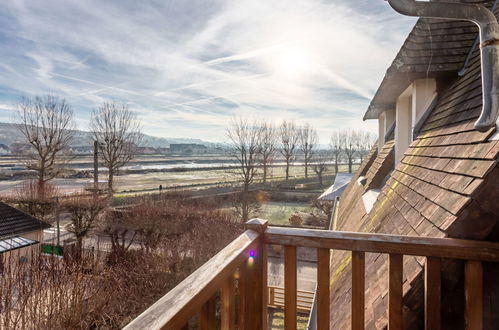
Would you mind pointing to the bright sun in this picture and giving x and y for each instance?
(293, 62)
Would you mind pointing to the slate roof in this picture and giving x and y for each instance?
(433, 48)
(446, 185)
(15, 222)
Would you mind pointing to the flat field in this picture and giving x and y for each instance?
(147, 173)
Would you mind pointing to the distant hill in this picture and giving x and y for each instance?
(9, 134)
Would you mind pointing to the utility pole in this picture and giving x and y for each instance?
(57, 217)
(96, 166)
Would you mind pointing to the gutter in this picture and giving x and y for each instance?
(489, 46)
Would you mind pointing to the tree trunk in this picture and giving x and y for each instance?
(245, 207)
(287, 171)
(40, 194)
(306, 168)
(110, 183)
(350, 165)
(320, 178)
(265, 172)
(79, 247)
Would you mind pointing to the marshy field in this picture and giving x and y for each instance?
(202, 175)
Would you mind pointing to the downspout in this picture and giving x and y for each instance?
(489, 46)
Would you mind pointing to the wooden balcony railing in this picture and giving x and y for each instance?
(239, 272)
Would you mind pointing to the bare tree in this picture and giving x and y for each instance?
(365, 141)
(307, 139)
(118, 132)
(268, 144)
(83, 214)
(27, 197)
(244, 145)
(289, 141)
(319, 165)
(46, 123)
(349, 142)
(336, 148)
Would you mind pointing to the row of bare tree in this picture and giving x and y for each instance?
(255, 146)
(47, 124)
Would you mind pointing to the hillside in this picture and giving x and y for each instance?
(9, 134)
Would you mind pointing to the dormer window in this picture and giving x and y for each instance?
(411, 106)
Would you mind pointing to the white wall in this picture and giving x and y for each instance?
(403, 128)
(385, 122)
(423, 93)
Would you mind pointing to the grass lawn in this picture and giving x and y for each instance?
(278, 213)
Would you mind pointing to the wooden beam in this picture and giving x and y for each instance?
(173, 310)
(227, 306)
(395, 274)
(358, 289)
(207, 319)
(290, 286)
(383, 243)
(473, 286)
(433, 275)
(256, 282)
(323, 289)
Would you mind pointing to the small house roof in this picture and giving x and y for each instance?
(15, 222)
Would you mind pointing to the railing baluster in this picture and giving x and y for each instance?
(323, 289)
(473, 281)
(395, 291)
(241, 283)
(207, 319)
(264, 289)
(358, 275)
(290, 285)
(432, 293)
(227, 306)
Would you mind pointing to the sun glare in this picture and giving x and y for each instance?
(293, 62)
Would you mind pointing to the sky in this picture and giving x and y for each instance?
(187, 67)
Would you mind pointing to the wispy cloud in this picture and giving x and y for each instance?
(187, 67)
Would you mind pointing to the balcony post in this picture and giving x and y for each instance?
(255, 310)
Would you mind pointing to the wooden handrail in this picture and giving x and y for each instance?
(383, 243)
(174, 309)
(197, 293)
